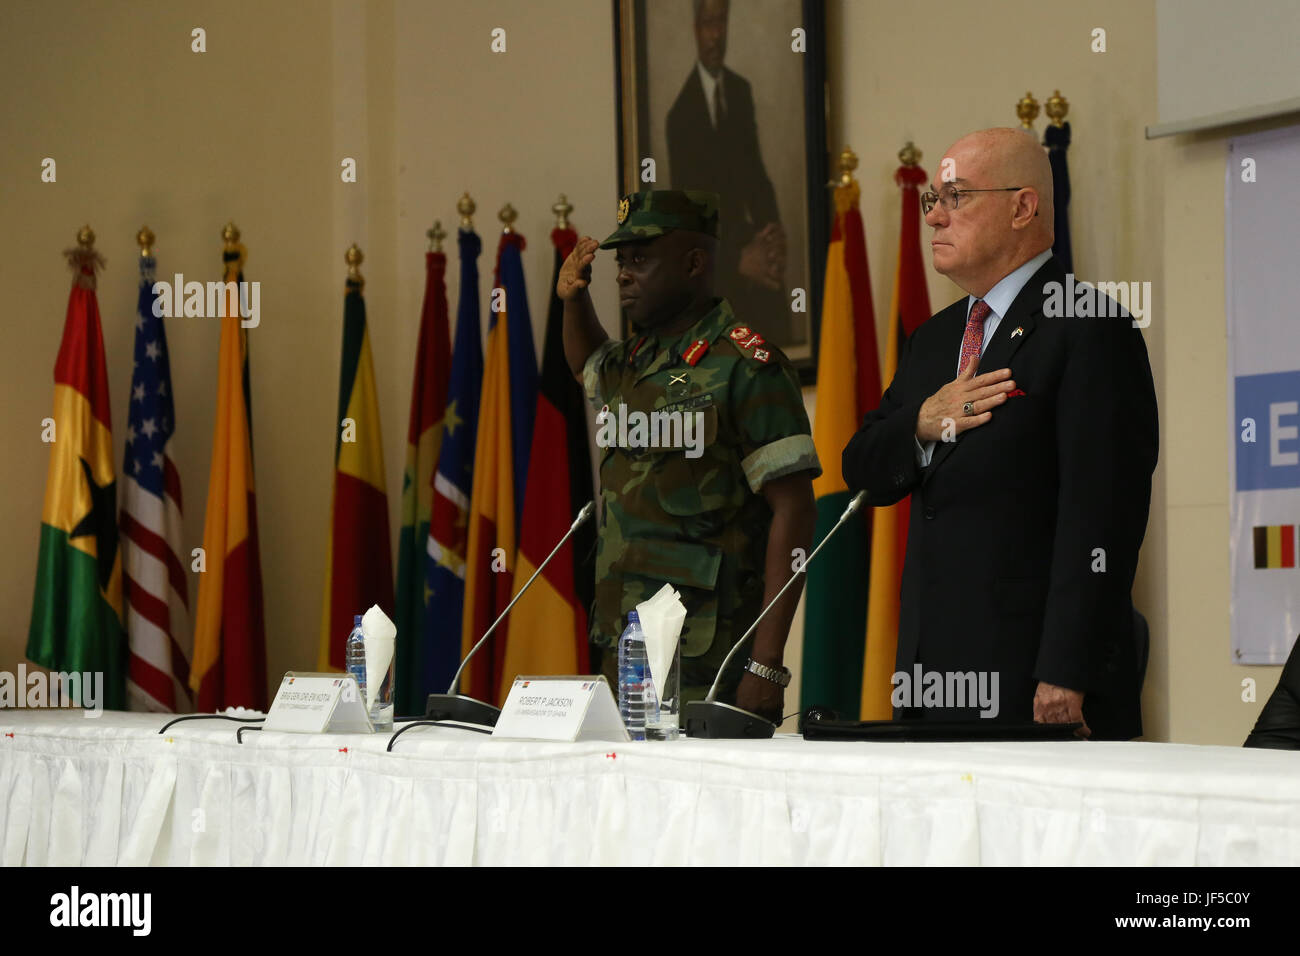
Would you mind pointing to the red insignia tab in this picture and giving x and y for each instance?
(696, 352)
(741, 332)
(631, 356)
(753, 340)
(762, 354)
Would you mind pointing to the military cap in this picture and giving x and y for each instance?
(653, 212)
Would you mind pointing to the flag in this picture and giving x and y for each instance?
(423, 443)
(909, 307)
(505, 432)
(76, 621)
(229, 664)
(1274, 545)
(448, 539)
(1057, 140)
(848, 385)
(559, 484)
(154, 586)
(358, 560)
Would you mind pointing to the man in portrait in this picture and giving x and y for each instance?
(713, 146)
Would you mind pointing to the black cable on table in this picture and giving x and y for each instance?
(433, 723)
(242, 720)
(239, 734)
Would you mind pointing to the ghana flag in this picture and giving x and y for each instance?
(358, 562)
(910, 306)
(77, 611)
(423, 445)
(848, 384)
(229, 664)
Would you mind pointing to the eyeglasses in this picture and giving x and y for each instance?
(950, 198)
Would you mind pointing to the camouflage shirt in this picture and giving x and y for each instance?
(692, 517)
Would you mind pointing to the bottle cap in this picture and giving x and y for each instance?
(634, 618)
(356, 620)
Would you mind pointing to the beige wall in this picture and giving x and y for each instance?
(145, 131)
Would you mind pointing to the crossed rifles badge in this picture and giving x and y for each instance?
(622, 211)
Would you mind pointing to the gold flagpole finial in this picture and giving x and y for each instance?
(909, 155)
(230, 235)
(1027, 111)
(83, 259)
(1057, 108)
(436, 235)
(562, 210)
(145, 238)
(848, 161)
(507, 215)
(465, 206)
(354, 258)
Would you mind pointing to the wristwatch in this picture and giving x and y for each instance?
(779, 676)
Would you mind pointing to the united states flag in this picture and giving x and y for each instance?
(154, 585)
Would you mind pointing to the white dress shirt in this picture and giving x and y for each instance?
(998, 299)
(710, 82)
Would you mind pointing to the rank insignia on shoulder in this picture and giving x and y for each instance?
(741, 332)
(762, 354)
(752, 341)
(696, 351)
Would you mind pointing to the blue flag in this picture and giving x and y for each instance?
(452, 481)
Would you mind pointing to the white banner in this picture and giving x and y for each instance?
(1262, 194)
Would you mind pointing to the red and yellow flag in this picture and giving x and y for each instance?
(909, 307)
(76, 623)
(559, 484)
(229, 664)
(358, 562)
(507, 406)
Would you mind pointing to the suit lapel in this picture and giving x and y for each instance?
(1012, 331)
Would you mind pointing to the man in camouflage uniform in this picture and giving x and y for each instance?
(721, 519)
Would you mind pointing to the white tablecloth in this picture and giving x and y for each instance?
(111, 791)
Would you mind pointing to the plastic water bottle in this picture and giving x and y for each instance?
(633, 677)
(356, 657)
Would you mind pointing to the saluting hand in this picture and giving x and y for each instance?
(984, 392)
(575, 274)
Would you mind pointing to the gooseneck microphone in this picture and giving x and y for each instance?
(712, 718)
(454, 705)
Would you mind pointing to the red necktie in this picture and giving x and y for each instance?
(974, 337)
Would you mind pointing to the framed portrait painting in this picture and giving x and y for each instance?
(729, 97)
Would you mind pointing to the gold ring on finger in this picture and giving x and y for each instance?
(968, 408)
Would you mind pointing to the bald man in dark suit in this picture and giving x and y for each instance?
(1027, 439)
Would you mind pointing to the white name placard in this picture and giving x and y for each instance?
(317, 704)
(560, 708)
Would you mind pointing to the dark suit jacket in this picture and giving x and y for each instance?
(1005, 521)
(1278, 725)
(727, 161)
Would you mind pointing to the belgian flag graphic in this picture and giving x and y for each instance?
(1275, 546)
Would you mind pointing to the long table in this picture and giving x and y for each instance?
(112, 791)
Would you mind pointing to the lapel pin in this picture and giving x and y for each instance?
(1020, 330)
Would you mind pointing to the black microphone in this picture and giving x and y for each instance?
(454, 705)
(715, 720)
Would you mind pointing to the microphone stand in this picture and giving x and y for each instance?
(454, 705)
(714, 720)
